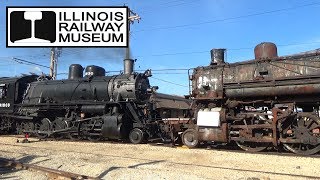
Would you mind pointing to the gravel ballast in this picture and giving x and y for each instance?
(108, 160)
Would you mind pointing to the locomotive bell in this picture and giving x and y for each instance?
(128, 66)
(217, 56)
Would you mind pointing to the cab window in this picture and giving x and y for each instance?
(3, 91)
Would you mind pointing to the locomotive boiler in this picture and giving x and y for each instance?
(267, 101)
(93, 106)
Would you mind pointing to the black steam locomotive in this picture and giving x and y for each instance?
(268, 101)
(94, 106)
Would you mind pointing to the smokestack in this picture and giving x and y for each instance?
(217, 56)
(128, 66)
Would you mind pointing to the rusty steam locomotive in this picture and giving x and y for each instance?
(268, 101)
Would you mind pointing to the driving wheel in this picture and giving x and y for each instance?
(190, 138)
(136, 136)
(306, 129)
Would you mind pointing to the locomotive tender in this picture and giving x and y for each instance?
(94, 106)
(267, 101)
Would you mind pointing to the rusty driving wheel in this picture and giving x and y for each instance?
(190, 138)
(249, 145)
(306, 129)
(252, 146)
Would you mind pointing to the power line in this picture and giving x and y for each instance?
(25, 55)
(166, 3)
(230, 18)
(228, 49)
(22, 61)
(169, 82)
(68, 51)
(177, 53)
(206, 51)
(153, 77)
(172, 5)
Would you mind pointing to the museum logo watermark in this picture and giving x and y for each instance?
(67, 26)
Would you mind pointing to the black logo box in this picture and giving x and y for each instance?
(66, 7)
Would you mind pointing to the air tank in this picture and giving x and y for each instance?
(93, 70)
(265, 50)
(217, 56)
(75, 71)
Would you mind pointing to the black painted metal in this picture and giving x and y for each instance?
(128, 66)
(75, 71)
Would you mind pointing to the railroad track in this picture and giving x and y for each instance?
(51, 173)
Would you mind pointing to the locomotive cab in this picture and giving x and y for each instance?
(12, 91)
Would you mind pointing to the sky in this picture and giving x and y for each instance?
(178, 34)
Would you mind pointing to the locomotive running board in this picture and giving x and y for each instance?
(51, 132)
(18, 117)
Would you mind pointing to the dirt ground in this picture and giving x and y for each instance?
(108, 160)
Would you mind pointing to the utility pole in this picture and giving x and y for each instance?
(132, 17)
(54, 54)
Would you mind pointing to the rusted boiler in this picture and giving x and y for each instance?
(267, 101)
(266, 76)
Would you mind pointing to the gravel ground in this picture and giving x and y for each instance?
(127, 161)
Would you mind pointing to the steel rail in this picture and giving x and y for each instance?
(52, 173)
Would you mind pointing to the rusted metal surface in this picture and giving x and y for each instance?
(252, 139)
(268, 76)
(259, 97)
(265, 50)
(255, 126)
(278, 116)
(170, 105)
(270, 90)
(176, 120)
(52, 173)
(170, 101)
(208, 83)
(272, 69)
(219, 134)
(288, 140)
